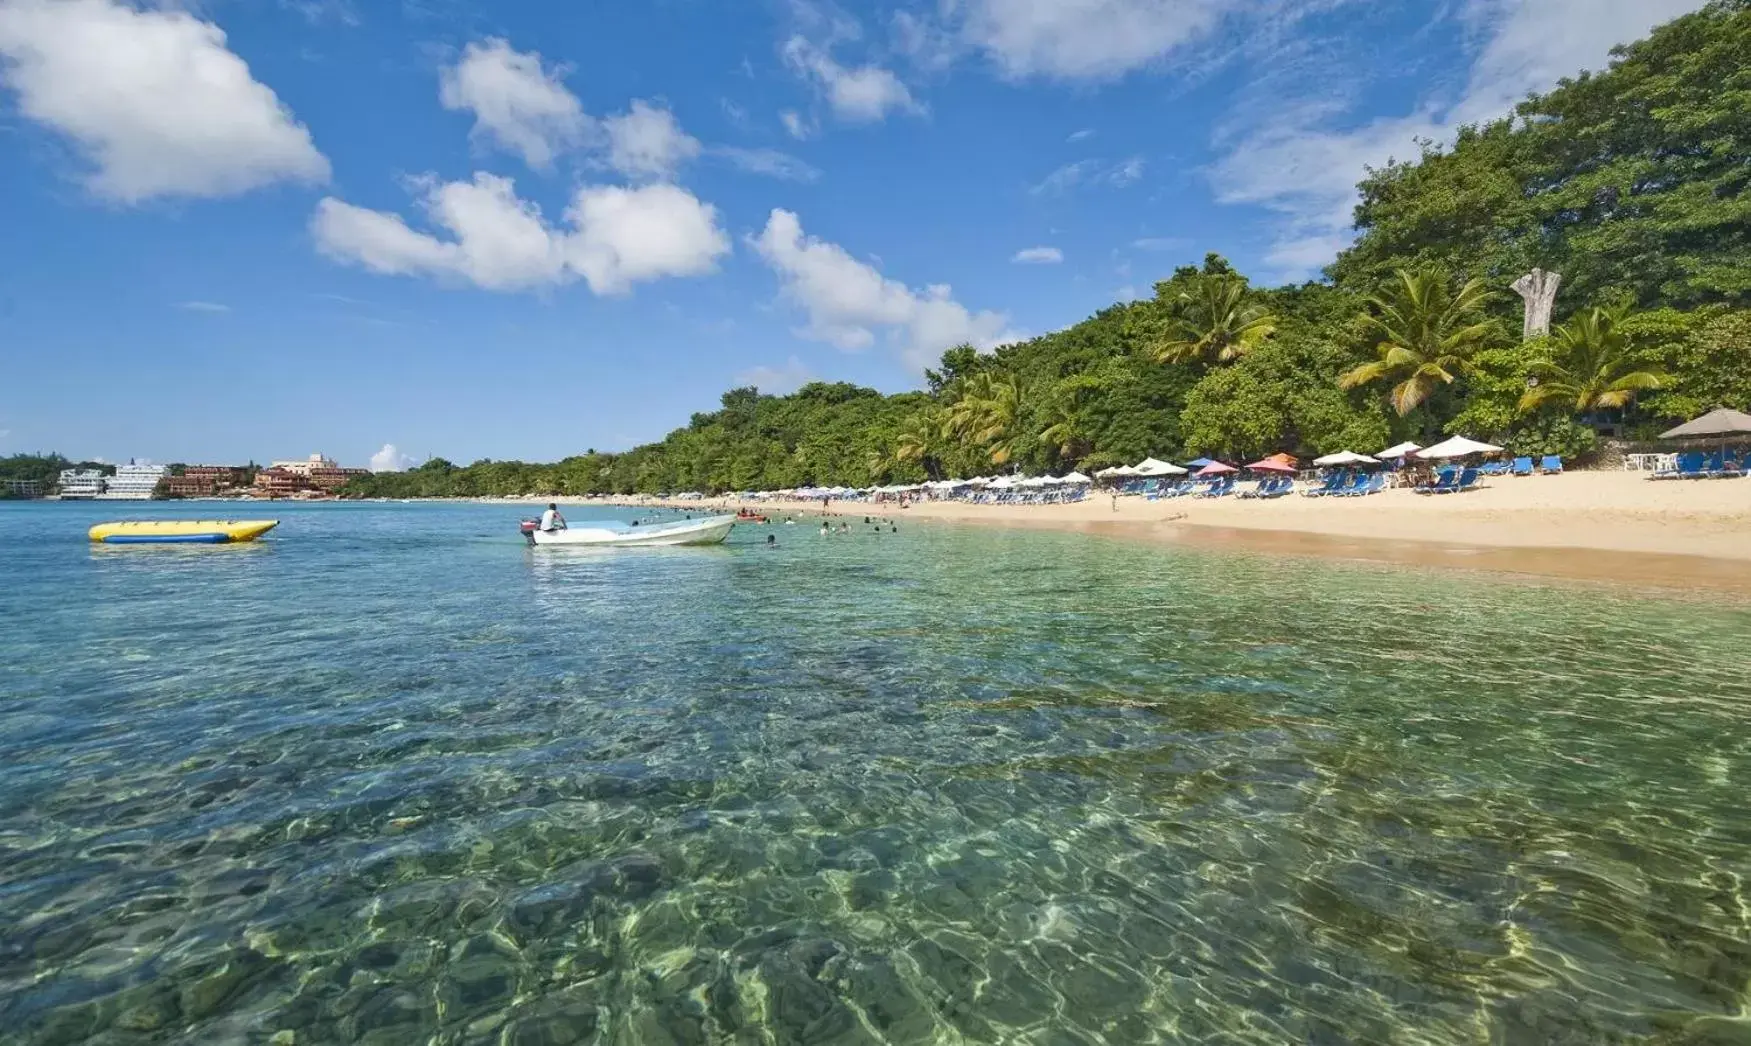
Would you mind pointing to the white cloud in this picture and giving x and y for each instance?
(1300, 163)
(202, 306)
(1082, 135)
(780, 380)
(1038, 256)
(847, 300)
(1127, 172)
(647, 142)
(615, 236)
(795, 124)
(1084, 39)
(1161, 243)
(1089, 172)
(770, 162)
(390, 459)
(519, 104)
(865, 94)
(154, 99)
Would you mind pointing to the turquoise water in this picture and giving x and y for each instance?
(390, 777)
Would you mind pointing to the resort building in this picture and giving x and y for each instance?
(312, 476)
(279, 482)
(305, 466)
(23, 488)
(81, 483)
(132, 482)
(204, 481)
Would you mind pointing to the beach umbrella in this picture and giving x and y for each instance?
(1722, 421)
(1457, 447)
(1394, 453)
(1004, 482)
(1274, 464)
(1074, 478)
(1345, 457)
(1214, 468)
(1199, 463)
(1114, 470)
(1126, 470)
(1152, 467)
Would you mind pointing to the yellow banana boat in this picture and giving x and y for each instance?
(182, 531)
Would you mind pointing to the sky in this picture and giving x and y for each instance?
(253, 229)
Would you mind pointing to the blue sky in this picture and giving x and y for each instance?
(254, 229)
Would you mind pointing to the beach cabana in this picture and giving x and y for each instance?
(1345, 457)
(1397, 452)
(1457, 447)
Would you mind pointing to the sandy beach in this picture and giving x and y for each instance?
(1614, 526)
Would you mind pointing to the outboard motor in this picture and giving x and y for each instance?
(529, 527)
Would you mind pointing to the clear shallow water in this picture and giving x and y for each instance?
(391, 778)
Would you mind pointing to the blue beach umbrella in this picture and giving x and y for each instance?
(1200, 463)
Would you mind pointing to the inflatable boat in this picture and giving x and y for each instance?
(710, 530)
(182, 531)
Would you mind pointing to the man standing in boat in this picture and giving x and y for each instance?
(551, 519)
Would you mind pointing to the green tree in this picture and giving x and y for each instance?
(1426, 336)
(1212, 321)
(1592, 368)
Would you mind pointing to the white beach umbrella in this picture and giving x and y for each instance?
(1075, 479)
(1393, 453)
(1114, 470)
(1345, 457)
(1003, 482)
(1037, 481)
(1152, 467)
(1457, 447)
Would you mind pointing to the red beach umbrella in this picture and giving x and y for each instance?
(1215, 468)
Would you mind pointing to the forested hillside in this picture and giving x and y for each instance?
(1634, 183)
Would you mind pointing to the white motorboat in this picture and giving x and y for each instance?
(710, 530)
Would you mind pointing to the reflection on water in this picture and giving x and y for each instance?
(396, 778)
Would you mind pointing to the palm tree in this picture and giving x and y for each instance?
(1213, 322)
(1428, 335)
(919, 439)
(1592, 369)
(1066, 430)
(987, 415)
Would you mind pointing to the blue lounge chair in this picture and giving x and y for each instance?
(1522, 466)
(1692, 465)
(1332, 482)
(1285, 487)
(1550, 465)
(1445, 482)
(1221, 488)
(1494, 468)
(1373, 484)
(1467, 481)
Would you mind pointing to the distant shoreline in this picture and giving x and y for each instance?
(1616, 527)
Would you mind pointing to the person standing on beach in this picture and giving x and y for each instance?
(1115, 501)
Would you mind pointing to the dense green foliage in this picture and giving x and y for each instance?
(1634, 183)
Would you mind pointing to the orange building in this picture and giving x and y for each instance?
(203, 481)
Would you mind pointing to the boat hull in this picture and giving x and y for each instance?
(181, 531)
(709, 531)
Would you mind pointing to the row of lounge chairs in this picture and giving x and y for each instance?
(1452, 481)
(1344, 484)
(1549, 465)
(1041, 496)
(1698, 465)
